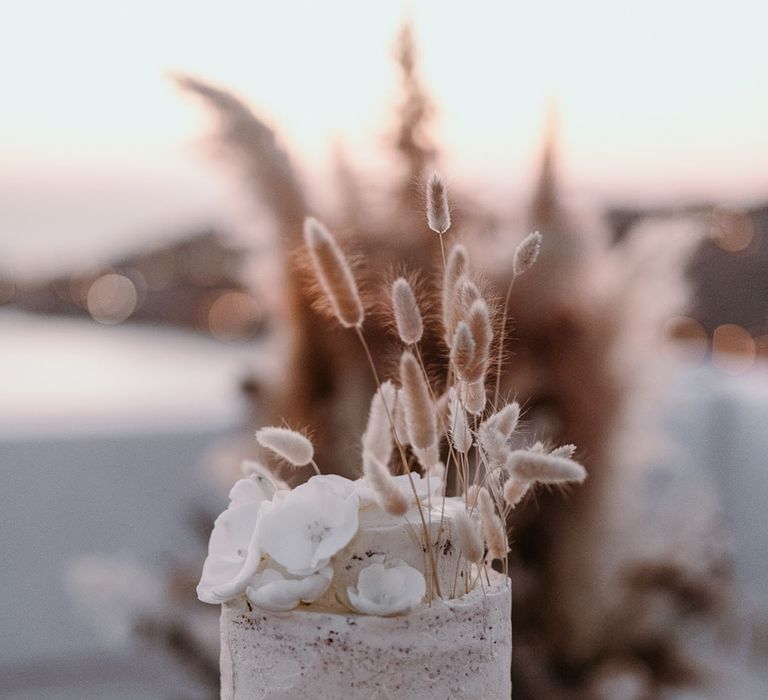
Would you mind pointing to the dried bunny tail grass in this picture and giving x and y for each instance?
(564, 451)
(428, 457)
(462, 350)
(493, 443)
(471, 495)
(293, 447)
(458, 427)
(334, 274)
(543, 467)
(527, 253)
(479, 322)
(410, 326)
(385, 489)
(469, 539)
(514, 490)
(455, 268)
(472, 396)
(377, 438)
(442, 408)
(505, 420)
(493, 529)
(399, 419)
(419, 410)
(438, 213)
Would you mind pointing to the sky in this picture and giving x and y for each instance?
(664, 100)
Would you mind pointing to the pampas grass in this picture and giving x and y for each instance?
(334, 274)
(410, 326)
(419, 410)
(288, 444)
(385, 489)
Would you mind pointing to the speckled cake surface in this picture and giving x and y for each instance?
(454, 649)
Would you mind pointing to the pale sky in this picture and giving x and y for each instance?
(662, 99)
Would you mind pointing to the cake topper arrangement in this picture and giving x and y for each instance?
(394, 539)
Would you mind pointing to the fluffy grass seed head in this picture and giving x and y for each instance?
(458, 426)
(410, 326)
(462, 350)
(292, 446)
(472, 396)
(493, 443)
(505, 420)
(493, 529)
(377, 438)
(385, 489)
(527, 253)
(479, 322)
(456, 267)
(546, 468)
(514, 490)
(334, 274)
(438, 212)
(420, 416)
(564, 451)
(467, 536)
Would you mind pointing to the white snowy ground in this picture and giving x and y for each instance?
(103, 435)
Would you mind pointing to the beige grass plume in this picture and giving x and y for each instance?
(455, 268)
(410, 326)
(467, 536)
(377, 438)
(472, 395)
(462, 349)
(292, 446)
(527, 253)
(493, 529)
(385, 489)
(334, 274)
(514, 490)
(479, 322)
(505, 420)
(546, 468)
(458, 427)
(419, 410)
(438, 213)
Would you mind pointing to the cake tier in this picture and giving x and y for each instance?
(381, 537)
(458, 649)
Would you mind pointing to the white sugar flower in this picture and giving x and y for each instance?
(273, 591)
(387, 589)
(302, 529)
(424, 487)
(233, 550)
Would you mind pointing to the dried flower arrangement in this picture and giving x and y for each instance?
(278, 547)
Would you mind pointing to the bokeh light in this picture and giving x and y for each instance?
(234, 316)
(112, 298)
(731, 230)
(733, 349)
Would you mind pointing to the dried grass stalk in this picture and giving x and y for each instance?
(467, 536)
(410, 326)
(385, 489)
(547, 468)
(527, 253)
(438, 212)
(493, 529)
(420, 416)
(377, 438)
(334, 274)
(293, 447)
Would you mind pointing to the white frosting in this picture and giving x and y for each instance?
(459, 649)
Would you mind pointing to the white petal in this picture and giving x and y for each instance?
(272, 591)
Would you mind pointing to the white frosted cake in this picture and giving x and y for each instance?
(454, 647)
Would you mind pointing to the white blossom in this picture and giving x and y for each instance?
(390, 588)
(303, 528)
(233, 550)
